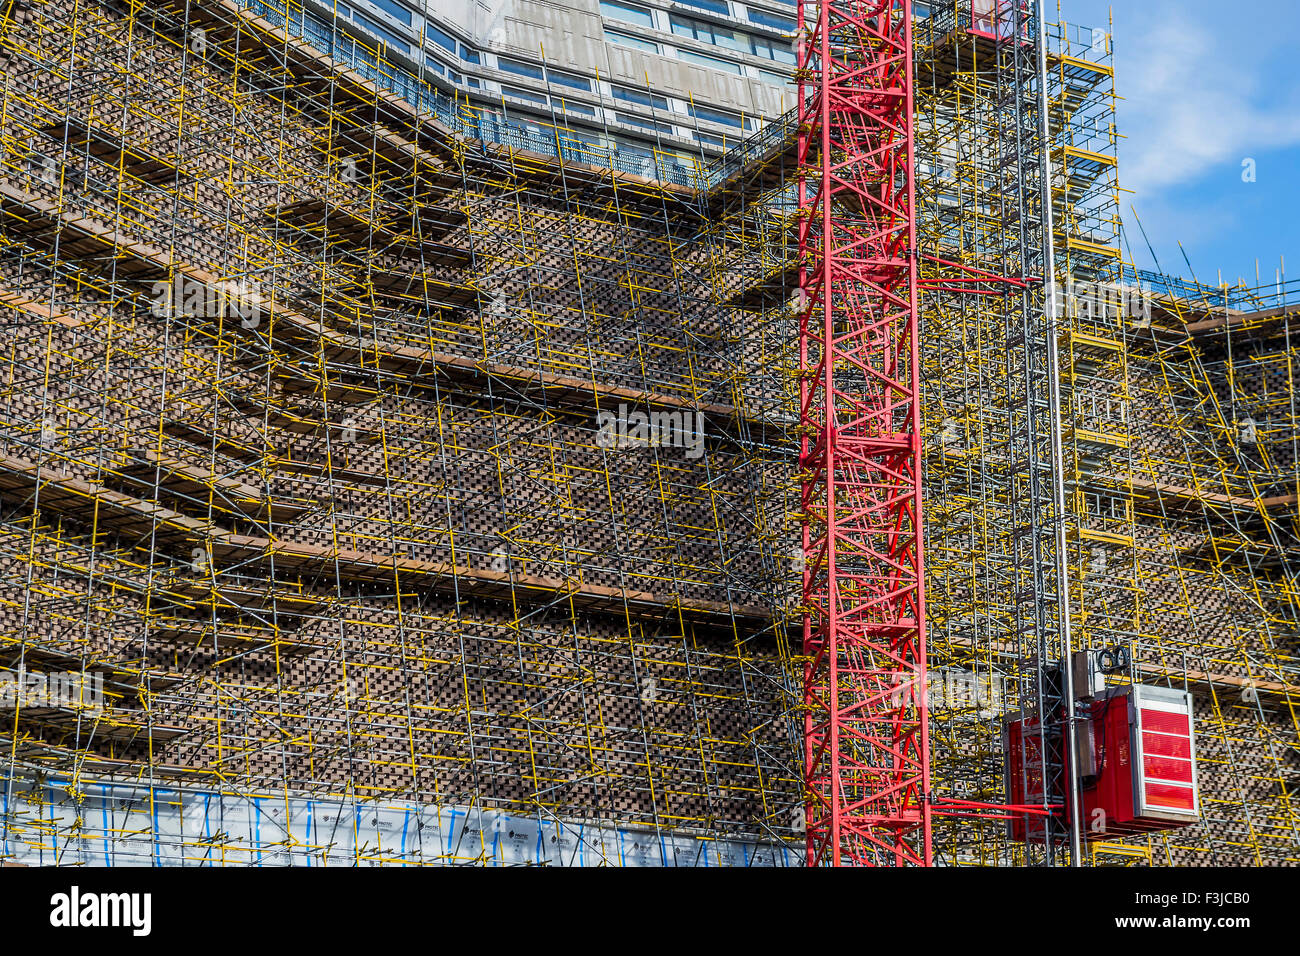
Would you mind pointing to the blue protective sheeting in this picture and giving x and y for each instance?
(103, 823)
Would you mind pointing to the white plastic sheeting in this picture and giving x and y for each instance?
(50, 821)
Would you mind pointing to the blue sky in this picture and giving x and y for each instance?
(1204, 86)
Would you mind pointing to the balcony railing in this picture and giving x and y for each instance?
(1239, 297)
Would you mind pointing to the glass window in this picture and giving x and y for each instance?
(395, 10)
(708, 33)
(713, 62)
(713, 6)
(776, 79)
(468, 55)
(641, 98)
(576, 109)
(624, 39)
(519, 68)
(628, 148)
(772, 49)
(617, 10)
(731, 40)
(521, 94)
(569, 80)
(736, 40)
(721, 117)
(644, 123)
(443, 70)
(440, 37)
(392, 39)
(771, 20)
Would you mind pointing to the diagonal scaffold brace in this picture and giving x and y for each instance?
(866, 759)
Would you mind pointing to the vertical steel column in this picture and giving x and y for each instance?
(866, 734)
(1034, 452)
(1053, 309)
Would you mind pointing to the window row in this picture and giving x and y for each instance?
(643, 16)
(605, 143)
(736, 40)
(732, 40)
(624, 96)
(694, 56)
(559, 82)
(394, 42)
(549, 75)
(449, 43)
(700, 31)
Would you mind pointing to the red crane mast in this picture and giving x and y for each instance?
(866, 737)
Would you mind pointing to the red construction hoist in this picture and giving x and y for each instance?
(866, 759)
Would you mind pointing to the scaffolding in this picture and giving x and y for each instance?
(419, 487)
(321, 445)
(1160, 501)
(1148, 529)
(994, 467)
(1213, 480)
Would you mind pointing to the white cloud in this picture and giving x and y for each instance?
(1190, 104)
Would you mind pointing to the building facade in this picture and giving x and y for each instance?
(690, 77)
(407, 479)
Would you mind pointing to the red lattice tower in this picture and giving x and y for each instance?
(867, 755)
